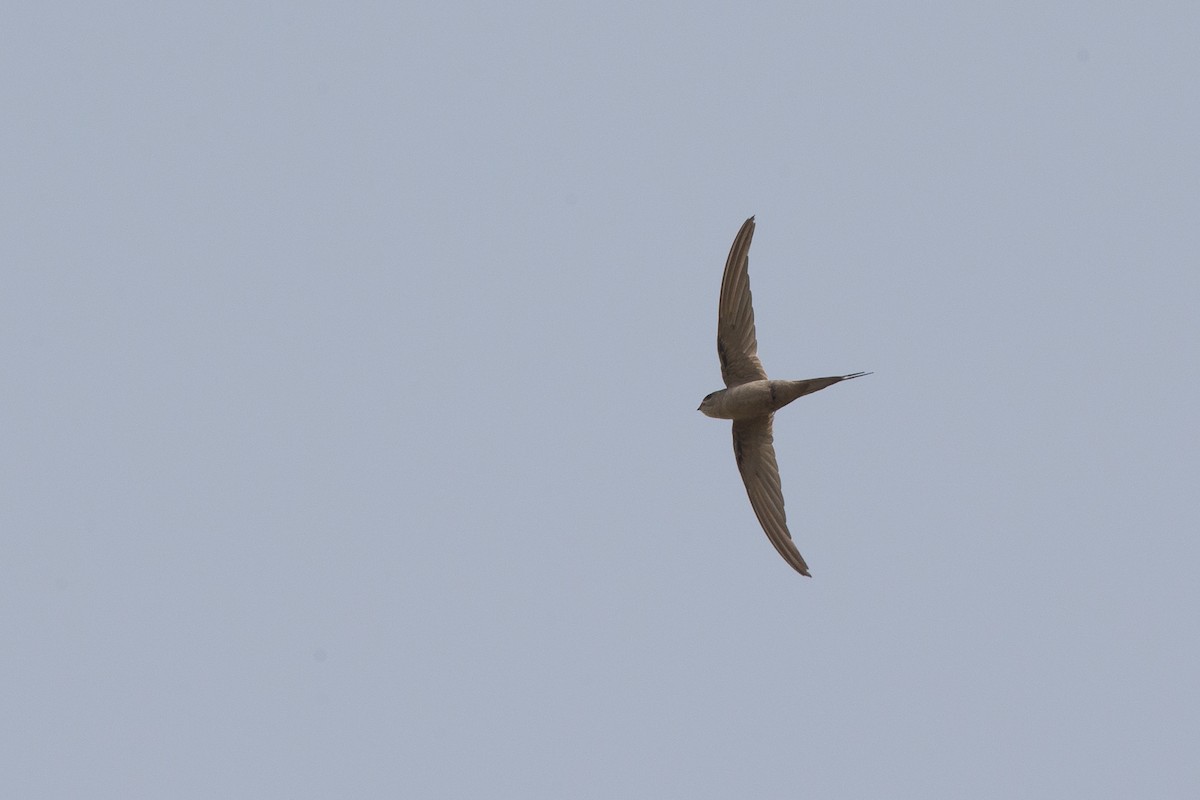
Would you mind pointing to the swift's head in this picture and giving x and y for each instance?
(710, 405)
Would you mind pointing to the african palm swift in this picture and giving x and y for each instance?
(750, 400)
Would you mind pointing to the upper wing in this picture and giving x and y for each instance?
(753, 446)
(736, 343)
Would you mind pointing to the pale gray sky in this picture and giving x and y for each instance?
(349, 443)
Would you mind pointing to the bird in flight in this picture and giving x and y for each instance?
(751, 400)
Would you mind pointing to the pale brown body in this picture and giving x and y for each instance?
(757, 398)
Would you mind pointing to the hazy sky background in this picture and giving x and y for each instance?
(351, 355)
